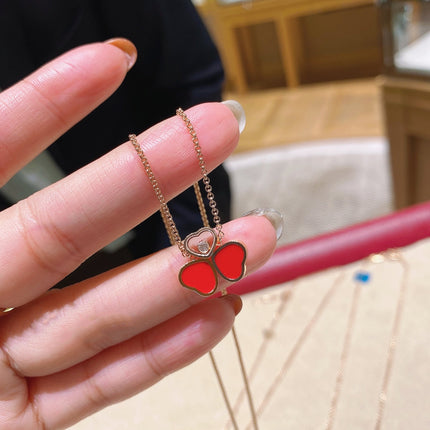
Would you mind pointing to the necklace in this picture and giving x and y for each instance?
(208, 257)
(267, 336)
(393, 255)
(362, 277)
(298, 344)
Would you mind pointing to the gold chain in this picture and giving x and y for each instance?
(205, 177)
(259, 356)
(298, 344)
(389, 255)
(340, 375)
(170, 225)
(393, 255)
(175, 238)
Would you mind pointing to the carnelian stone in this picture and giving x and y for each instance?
(229, 260)
(199, 276)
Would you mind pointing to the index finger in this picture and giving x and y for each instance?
(43, 106)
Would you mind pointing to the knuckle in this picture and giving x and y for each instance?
(16, 414)
(39, 420)
(154, 364)
(108, 332)
(47, 103)
(7, 361)
(46, 242)
(95, 394)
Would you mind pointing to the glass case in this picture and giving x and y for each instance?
(406, 37)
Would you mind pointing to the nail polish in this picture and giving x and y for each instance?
(235, 301)
(126, 47)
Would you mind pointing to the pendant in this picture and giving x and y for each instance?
(209, 259)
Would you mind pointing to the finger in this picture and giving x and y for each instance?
(48, 235)
(62, 329)
(40, 108)
(125, 369)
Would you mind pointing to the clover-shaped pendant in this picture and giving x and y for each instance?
(200, 274)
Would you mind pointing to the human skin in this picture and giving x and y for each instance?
(65, 354)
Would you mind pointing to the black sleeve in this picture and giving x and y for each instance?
(178, 65)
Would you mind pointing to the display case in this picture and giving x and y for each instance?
(406, 37)
(405, 27)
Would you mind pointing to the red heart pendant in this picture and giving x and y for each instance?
(229, 260)
(199, 276)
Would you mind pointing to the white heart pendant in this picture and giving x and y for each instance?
(201, 243)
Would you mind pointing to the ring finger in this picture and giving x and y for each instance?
(64, 328)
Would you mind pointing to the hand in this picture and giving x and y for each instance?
(65, 354)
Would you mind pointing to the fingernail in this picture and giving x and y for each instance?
(274, 216)
(238, 112)
(235, 301)
(127, 47)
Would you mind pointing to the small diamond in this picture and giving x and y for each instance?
(203, 247)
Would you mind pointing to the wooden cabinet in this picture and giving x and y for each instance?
(405, 28)
(290, 42)
(407, 119)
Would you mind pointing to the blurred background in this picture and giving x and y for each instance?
(336, 95)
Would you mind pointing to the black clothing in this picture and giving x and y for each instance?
(178, 65)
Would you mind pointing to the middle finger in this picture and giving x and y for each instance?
(52, 232)
(64, 328)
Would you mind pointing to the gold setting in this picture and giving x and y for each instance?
(198, 234)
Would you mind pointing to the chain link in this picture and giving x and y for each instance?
(206, 181)
(169, 224)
